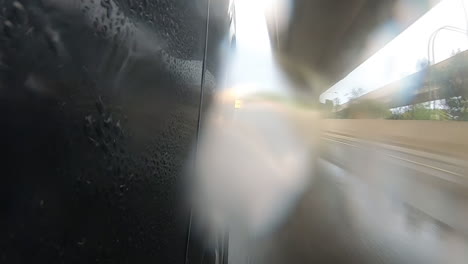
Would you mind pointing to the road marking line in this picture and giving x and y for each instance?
(396, 157)
(414, 152)
(425, 165)
(329, 139)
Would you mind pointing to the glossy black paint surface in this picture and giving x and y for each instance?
(99, 104)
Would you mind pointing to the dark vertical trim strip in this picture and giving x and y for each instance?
(203, 72)
(202, 84)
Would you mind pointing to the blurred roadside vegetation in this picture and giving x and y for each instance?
(450, 102)
(455, 108)
(303, 102)
(419, 112)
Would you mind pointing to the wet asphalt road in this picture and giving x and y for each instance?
(369, 204)
(341, 219)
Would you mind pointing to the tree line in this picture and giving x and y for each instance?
(450, 103)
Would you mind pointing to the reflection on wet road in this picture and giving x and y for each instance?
(369, 203)
(343, 220)
(252, 167)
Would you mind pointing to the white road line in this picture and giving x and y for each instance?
(402, 159)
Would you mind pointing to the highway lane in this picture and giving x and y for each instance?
(435, 184)
(363, 202)
(344, 219)
(371, 203)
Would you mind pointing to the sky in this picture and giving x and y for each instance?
(400, 57)
(252, 66)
